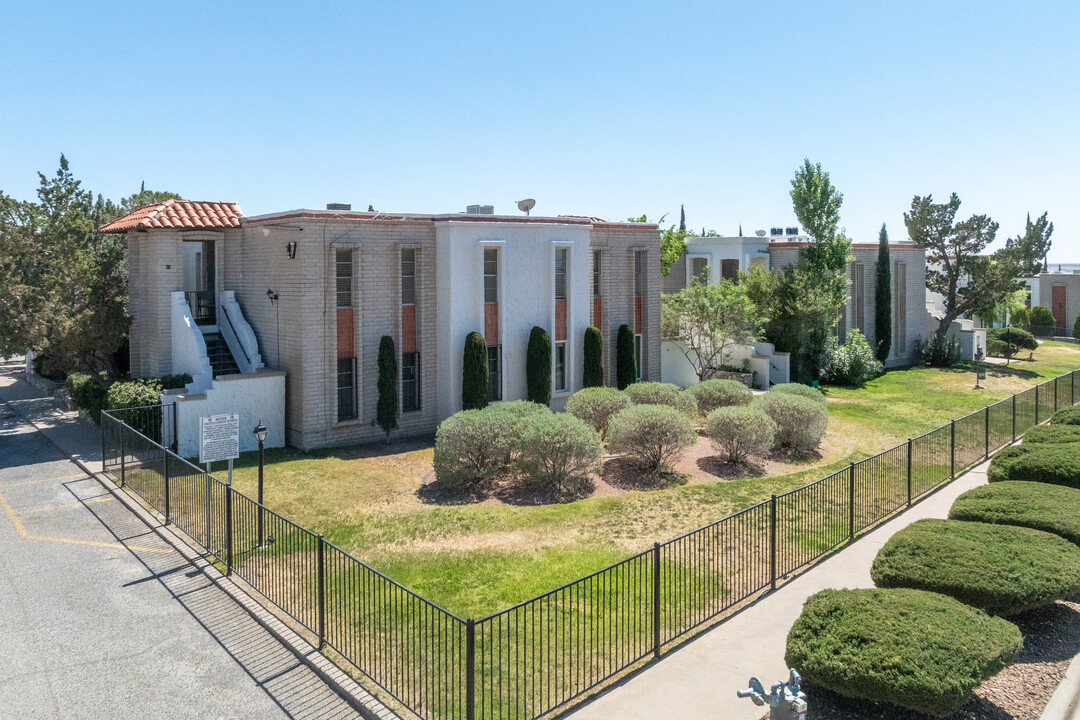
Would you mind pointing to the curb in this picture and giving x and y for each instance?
(326, 670)
(1065, 702)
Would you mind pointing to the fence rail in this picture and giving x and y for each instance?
(538, 656)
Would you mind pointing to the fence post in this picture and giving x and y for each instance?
(470, 669)
(123, 458)
(228, 529)
(772, 541)
(165, 473)
(851, 505)
(1036, 404)
(1014, 416)
(987, 432)
(103, 417)
(952, 450)
(909, 472)
(1055, 394)
(656, 599)
(321, 597)
(175, 430)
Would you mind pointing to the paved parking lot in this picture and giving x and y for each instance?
(104, 619)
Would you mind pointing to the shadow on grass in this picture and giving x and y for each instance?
(623, 474)
(507, 489)
(716, 466)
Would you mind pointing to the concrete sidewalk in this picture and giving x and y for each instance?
(108, 615)
(700, 679)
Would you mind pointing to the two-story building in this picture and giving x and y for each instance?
(310, 293)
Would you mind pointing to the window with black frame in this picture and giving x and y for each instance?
(494, 373)
(346, 388)
(410, 382)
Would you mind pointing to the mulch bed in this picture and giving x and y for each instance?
(1019, 692)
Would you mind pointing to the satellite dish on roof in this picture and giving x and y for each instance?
(526, 205)
(760, 233)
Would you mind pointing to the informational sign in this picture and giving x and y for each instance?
(219, 438)
(982, 371)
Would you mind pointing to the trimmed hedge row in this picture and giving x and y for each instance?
(1000, 569)
(1050, 508)
(1053, 434)
(1057, 464)
(1068, 416)
(918, 650)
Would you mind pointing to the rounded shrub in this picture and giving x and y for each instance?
(652, 436)
(133, 393)
(851, 362)
(596, 405)
(1038, 462)
(1000, 569)
(1041, 321)
(472, 447)
(712, 394)
(659, 393)
(917, 650)
(517, 413)
(1052, 434)
(1068, 416)
(739, 432)
(801, 390)
(89, 392)
(1076, 327)
(1006, 342)
(1050, 508)
(559, 450)
(800, 421)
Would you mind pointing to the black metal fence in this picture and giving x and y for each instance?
(536, 657)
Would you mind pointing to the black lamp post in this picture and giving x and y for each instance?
(260, 435)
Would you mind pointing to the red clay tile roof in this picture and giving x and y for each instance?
(182, 214)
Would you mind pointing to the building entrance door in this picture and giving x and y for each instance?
(200, 279)
(1057, 306)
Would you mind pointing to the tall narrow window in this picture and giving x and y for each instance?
(639, 291)
(560, 366)
(410, 382)
(494, 373)
(637, 354)
(560, 273)
(700, 269)
(859, 291)
(491, 275)
(729, 270)
(346, 388)
(638, 263)
(408, 276)
(900, 309)
(596, 273)
(344, 274)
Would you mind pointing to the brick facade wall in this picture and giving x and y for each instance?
(155, 270)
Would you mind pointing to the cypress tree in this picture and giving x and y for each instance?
(682, 219)
(883, 299)
(740, 229)
(474, 373)
(1076, 327)
(626, 362)
(538, 367)
(593, 375)
(386, 413)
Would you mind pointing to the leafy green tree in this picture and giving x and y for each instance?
(474, 373)
(1042, 321)
(1076, 327)
(626, 360)
(710, 319)
(672, 242)
(386, 412)
(593, 373)
(817, 205)
(1033, 246)
(883, 299)
(538, 367)
(956, 268)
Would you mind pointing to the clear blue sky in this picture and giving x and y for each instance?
(606, 109)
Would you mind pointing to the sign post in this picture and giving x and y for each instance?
(219, 439)
(980, 374)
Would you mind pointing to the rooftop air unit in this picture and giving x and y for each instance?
(480, 210)
(339, 206)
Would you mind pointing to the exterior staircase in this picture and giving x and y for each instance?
(221, 359)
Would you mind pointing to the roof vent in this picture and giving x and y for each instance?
(792, 231)
(776, 232)
(339, 206)
(480, 209)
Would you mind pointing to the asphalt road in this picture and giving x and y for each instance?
(101, 618)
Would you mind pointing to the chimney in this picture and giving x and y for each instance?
(339, 206)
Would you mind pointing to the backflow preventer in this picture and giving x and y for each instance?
(786, 702)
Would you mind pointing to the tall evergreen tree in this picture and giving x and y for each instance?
(740, 229)
(883, 299)
(538, 367)
(386, 413)
(626, 360)
(593, 375)
(682, 219)
(474, 373)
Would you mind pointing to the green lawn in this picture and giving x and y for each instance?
(475, 558)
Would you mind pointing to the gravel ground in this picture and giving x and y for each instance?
(1019, 692)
